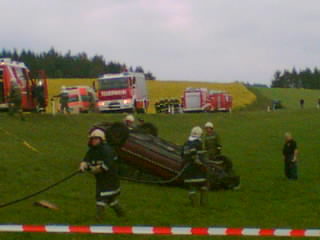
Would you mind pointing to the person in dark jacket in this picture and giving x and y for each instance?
(195, 175)
(211, 141)
(15, 101)
(101, 161)
(64, 100)
(301, 103)
(290, 154)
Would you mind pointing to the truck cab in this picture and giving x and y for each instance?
(122, 92)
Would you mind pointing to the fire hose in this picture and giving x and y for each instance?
(40, 191)
(77, 172)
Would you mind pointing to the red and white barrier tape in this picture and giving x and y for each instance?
(145, 230)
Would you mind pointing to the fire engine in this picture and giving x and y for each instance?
(122, 92)
(81, 99)
(34, 92)
(204, 100)
(220, 101)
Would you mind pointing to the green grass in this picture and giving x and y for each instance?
(253, 140)
(290, 97)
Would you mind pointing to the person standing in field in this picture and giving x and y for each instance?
(64, 100)
(101, 161)
(301, 103)
(290, 155)
(318, 105)
(15, 101)
(211, 141)
(195, 174)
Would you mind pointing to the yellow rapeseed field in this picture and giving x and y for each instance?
(168, 89)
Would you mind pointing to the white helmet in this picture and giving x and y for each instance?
(208, 125)
(129, 118)
(97, 133)
(196, 131)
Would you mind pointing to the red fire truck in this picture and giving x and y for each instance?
(203, 100)
(122, 92)
(34, 91)
(220, 101)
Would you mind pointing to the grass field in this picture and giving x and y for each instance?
(168, 89)
(253, 140)
(290, 97)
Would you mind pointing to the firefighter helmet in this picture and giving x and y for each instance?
(208, 125)
(98, 133)
(129, 118)
(196, 131)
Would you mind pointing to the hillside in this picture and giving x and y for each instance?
(168, 89)
(253, 140)
(290, 97)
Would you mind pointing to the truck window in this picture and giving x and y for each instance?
(113, 83)
(73, 98)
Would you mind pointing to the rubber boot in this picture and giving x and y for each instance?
(204, 196)
(118, 210)
(193, 199)
(100, 211)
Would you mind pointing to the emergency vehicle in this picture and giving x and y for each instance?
(125, 91)
(195, 100)
(81, 99)
(204, 100)
(34, 92)
(220, 101)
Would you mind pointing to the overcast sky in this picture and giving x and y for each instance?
(202, 40)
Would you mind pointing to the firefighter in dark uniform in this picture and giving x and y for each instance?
(176, 105)
(157, 107)
(171, 106)
(129, 121)
(290, 154)
(161, 106)
(15, 101)
(211, 141)
(195, 176)
(166, 105)
(64, 100)
(101, 161)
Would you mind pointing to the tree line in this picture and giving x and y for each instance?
(58, 65)
(306, 78)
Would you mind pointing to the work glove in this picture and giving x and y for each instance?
(96, 169)
(83, 166)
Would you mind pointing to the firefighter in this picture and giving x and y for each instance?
(211, 141)
(166, 105)
(64, 99)
(101, 161)
(157, 107)
(195, 175)
(129, 121)
(38, 94)
(161, 106)
(176, 105)
(290, 154)
(15, 101)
